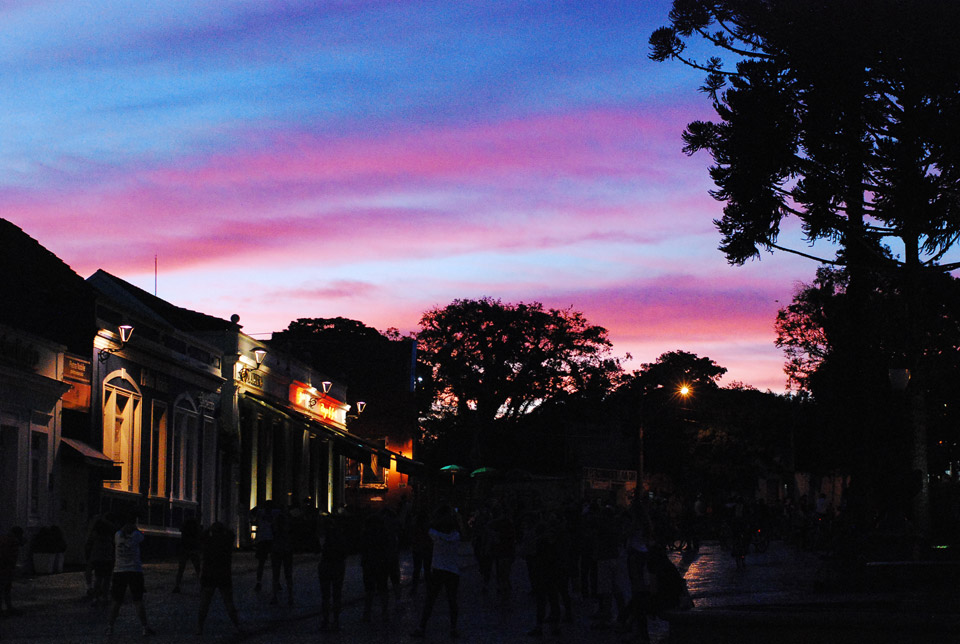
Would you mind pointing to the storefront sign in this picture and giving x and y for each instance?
(76, 372)
(602, 479)
(76, 369)
(316, 403)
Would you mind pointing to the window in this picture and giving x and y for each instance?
(121, 431)
(183, 456)
(158, 450)
(375, 474)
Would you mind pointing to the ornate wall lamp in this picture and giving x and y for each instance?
(324, 386)
(125, 332)
(361, 405)
(258, 354)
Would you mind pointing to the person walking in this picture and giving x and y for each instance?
(263, 541)
(188, 549)
(9, 554)
(128, 573)
(483, 538)
(281, 555)
(545, 562)
(639, 539)
(445, 568)
(587, 548)
(331, 571)
(504, 550)
(374, 562)
(609, 589)
(421, 549)
(100, 557)
(216, 548)
(391, 530)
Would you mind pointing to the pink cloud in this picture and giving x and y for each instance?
(607, 143)
(254, 202)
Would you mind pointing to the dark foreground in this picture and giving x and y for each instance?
(782, 596)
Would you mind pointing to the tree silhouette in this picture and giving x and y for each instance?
(841, 115)
(838, 113)
(488, 360)
(377, 368)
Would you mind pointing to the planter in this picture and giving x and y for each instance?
(47, 563)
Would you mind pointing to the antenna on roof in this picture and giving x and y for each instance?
(154, 274)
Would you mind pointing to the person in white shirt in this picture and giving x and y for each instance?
(128, 573)
(445, 567)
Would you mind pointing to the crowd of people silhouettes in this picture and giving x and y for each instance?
(610, 554)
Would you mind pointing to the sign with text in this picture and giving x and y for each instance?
(315, 403)
(76, 372)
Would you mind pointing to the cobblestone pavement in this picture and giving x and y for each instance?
(55, 610)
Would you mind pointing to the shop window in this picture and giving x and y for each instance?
(375, 474)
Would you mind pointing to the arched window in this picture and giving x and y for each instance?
(183, 454)
(121, 429)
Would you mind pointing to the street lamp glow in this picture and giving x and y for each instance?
(684, 390)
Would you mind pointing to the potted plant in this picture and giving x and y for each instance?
(47, 547)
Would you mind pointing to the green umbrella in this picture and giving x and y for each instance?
(484, 472)
(452, 470)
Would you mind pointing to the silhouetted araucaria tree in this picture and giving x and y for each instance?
(841, 115)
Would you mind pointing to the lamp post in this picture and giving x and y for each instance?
(683, 391)
(900, 380)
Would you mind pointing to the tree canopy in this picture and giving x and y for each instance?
(839, 113)
(489, 360)
(376, 367)
(674, 370)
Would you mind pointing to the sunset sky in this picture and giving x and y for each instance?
(375, 159)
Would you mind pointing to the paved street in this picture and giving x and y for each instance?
(55, 611)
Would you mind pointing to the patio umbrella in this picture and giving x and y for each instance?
(484, 472)
(452, 470)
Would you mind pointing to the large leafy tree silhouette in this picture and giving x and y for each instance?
(491, 362)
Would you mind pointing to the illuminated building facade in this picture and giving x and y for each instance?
(379, 370)
(155, 393)
(31, 386)
(112, 399)
(290, 430)
(50, 468)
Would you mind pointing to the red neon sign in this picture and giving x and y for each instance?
(316, 403)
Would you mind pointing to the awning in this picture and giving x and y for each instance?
(409, 466)
(89, 454)
(106, 468)
(353, 447)
(353, 450)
